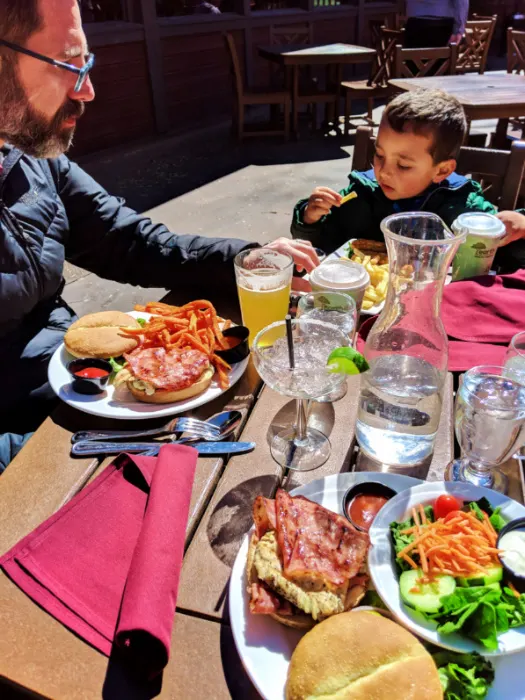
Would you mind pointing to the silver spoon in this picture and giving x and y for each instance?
(223, 421)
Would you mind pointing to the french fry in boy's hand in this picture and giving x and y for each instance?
(348, 197)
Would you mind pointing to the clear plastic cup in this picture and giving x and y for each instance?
(341, 276)
(476, 255)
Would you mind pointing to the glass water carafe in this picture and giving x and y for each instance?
(407, 348)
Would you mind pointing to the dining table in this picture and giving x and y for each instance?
(493, 95)
(41, 658)
(333, 56)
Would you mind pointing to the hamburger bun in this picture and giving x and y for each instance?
(165, 396)
(360, 656)
(99, 335)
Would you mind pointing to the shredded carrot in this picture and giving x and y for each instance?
(514, 589)
(459, 547)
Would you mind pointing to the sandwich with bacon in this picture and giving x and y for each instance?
(305, 562)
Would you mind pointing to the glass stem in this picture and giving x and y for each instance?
(301, 406)
(478, 469)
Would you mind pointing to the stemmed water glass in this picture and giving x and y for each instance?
(299, 446)
(490, 426)
(337, 309)
(515, 357)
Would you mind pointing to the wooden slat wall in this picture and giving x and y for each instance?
(197, 77)
(195, 68)
(122, 87)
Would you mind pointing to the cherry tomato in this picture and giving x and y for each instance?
(445, 504)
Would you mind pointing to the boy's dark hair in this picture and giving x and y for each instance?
(19, 19)
(430, 112)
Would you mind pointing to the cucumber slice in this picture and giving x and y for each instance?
(492, 575)
(424, 597)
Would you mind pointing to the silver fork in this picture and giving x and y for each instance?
(192, 426)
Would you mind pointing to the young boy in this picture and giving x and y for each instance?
(419, 139)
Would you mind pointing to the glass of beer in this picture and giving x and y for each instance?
(264, 279)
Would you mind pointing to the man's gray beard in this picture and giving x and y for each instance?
(22, 127)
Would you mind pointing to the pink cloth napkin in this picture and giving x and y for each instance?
(107, 564)
(480, 316)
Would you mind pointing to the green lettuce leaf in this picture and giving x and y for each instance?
(464, 676)
(117, 363)
(141, 321)
(496, 520)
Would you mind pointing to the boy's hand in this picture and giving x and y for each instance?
(515, 225)
(319, 204)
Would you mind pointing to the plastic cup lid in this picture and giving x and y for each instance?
(480, 224)
(343, 274)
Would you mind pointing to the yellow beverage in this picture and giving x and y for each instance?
(260, 307)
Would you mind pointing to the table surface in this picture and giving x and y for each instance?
(290, 54)
(491, 94)
(39, 654)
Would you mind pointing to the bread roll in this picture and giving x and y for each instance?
(361, 656)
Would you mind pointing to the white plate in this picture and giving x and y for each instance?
(381, 562)
(264, 645)
(122, 404)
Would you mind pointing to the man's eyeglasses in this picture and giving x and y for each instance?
(81, 72)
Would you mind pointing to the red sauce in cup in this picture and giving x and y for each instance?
(91, 373)
(364, 508)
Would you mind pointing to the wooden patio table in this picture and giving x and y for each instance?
(41, 657)
(330, 55)
(487, 96)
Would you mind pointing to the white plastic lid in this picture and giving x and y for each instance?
(480, 224)
(340, 274)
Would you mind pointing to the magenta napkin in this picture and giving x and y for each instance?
(480, 316)
(107, 564)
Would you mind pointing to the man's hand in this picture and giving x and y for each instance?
(302, 252)
(319, 204)
(515, 225)
(455, 38)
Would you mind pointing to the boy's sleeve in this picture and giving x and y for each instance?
(334, 229)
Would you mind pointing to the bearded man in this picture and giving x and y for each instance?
(52, 211)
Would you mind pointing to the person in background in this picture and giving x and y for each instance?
(433, 23)
(51, 211)
(208, 8)
(511, 253)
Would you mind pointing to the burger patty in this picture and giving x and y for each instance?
(171, 370)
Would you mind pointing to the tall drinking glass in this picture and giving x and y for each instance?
(490, 426)
(331, 307)
(515, 358)
(264, 278)
(299, 447)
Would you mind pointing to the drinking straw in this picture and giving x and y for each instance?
(289, 337)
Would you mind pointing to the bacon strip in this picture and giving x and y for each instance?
(264, 515)
(264, 601)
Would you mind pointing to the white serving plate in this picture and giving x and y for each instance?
(120, 403)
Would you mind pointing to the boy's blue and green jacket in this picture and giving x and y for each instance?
(361, 217)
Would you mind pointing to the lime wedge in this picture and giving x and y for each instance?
(347, 361)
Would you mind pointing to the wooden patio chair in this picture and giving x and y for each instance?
(420, 63)
(260, 96)
(297, 33)
(499, 172)
(475, 45)
(376, 87)
(515, 64)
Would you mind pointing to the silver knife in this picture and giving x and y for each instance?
(89, 448)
